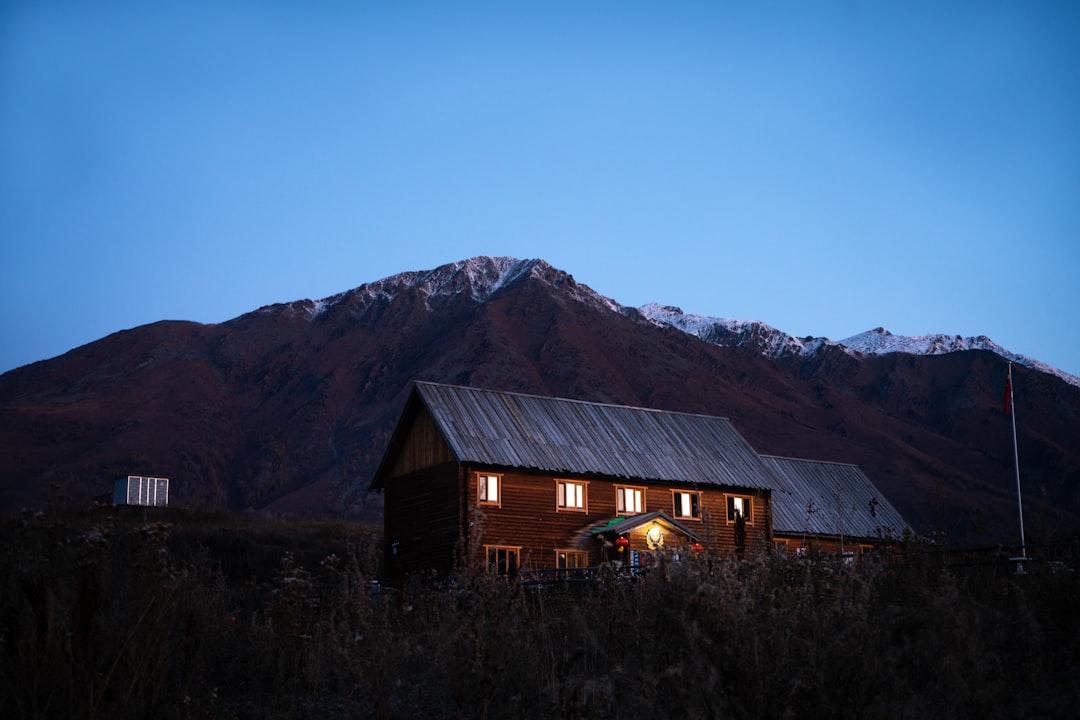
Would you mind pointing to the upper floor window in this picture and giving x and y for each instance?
(571, 495)
(489, 490)
(687, 505)
(739, 507)
(629, 500)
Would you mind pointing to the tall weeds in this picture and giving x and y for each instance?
(138, 614)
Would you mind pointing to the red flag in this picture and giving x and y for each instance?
(1008, 391)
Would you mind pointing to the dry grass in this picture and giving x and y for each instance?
(137, 614)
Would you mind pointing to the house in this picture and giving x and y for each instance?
(518, 482)
(828, 507)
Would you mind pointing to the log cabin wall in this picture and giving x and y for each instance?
(527, 516)
(422, 522)
(422, 446)
(816, 546)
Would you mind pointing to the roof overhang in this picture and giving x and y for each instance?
(621, 525)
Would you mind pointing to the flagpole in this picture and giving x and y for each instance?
(1016, 461)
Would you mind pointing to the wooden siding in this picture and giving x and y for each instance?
(422, 446)
(529, 518)
(815, 545)
(422, 525)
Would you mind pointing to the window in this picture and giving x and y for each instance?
(629, 500)
(688, 505)
(571, 559)
(739, 507)
(570, 495)
(489, 490)
(503, 560)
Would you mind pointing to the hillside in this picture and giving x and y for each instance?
(288, 409)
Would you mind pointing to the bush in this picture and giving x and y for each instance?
(128, 613)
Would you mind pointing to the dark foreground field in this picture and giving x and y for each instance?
(131, 614)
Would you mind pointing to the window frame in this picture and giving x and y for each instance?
(510, 550)
(560, 496)
(483, 487)
(578, 554)
(694, 505)
(620, 497)
(729, 507)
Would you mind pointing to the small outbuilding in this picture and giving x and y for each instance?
(140, 490)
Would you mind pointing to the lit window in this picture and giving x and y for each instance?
(571, 495)
(489, 489)
(629, 500)
(739, 507)
(571, 559)
(688, 505)
(503, 560)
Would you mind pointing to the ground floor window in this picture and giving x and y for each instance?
(571, 559)
(503, 560)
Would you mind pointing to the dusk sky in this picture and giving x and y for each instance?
(823, 166)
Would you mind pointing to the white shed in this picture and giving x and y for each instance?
(139, 490)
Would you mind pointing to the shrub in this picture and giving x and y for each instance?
(138, 613)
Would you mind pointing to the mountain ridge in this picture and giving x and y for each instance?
(483, 276)
(878, 341)
(287, 409)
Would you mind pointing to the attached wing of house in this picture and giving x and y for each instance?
(826, 504)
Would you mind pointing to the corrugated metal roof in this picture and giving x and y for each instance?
(570, 436)
(827, 498)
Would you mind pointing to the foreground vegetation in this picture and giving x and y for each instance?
(128, 613)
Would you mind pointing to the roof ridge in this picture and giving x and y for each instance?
(808, 460)
(555, 398)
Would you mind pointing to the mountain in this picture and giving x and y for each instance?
(287, 409)
(778, 345)
(750, 334)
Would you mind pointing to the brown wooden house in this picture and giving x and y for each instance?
(519, 482)
(828, 507)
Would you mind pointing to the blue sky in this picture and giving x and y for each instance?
(824, 166)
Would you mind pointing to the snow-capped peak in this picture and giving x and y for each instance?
(478, 278)
(880, 341)
(773, 343)
(481, 278)
(734, 333)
